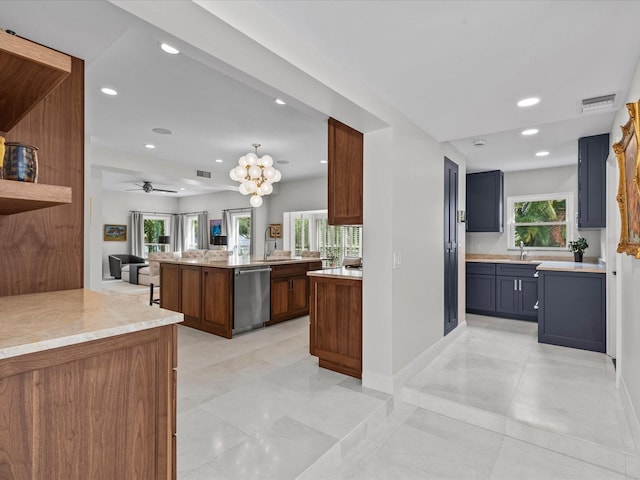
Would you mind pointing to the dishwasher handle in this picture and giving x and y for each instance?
(252, 270)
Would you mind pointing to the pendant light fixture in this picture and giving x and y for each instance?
(256, 175)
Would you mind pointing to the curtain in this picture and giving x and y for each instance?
(226, 228)
(137, 234)
(203, 231)
(177, 232)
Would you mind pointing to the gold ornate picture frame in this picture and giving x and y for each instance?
(629, 186)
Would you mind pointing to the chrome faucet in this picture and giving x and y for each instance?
(523, 254)
(264, 257)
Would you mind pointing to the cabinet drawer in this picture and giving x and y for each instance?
(288, 270)
(481, 268)
(517, 270)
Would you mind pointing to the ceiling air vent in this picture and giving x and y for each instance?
(602, 102)
(203, 174)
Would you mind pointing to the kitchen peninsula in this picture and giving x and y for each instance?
(217, 296)
(88, 387)
(335, 328)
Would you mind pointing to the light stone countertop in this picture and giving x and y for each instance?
(573, 267)
(236, 262)
(338, 272)
(42, 321)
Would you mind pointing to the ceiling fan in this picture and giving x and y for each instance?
(148, 188)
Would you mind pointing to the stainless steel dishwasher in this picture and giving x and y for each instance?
(251, 298)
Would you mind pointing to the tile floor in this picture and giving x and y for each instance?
(495, 404)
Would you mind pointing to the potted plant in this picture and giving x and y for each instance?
(578, 247)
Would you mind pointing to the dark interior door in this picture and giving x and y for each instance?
(450, 245)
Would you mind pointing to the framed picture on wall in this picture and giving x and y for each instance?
(629, 187)
(215, 229)
(115, 233)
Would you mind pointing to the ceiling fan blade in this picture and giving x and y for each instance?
(133, 190)
(162, 190)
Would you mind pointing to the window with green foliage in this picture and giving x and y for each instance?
(541, 221)
(154, 226)
(310, 230)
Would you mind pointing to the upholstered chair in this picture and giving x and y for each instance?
(310, 254)
(216, 255)
(194, 253)
(280, 254)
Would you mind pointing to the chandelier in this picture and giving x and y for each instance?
(256, 175)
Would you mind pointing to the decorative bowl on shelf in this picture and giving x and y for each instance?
(20, 162)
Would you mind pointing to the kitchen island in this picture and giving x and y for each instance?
(88, 386)
(204, 291)
(335, 327)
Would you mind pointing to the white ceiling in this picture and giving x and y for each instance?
(455, 68)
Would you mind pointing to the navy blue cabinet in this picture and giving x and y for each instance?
(592, 158)
(516, 291)
(572, 310)
(485, 192)
(481, 288)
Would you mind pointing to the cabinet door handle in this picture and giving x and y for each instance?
(535, 275)
(515, 285)
(520, 285)
(536, 307)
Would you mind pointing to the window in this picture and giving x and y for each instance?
(191, 232)
(311, 231)
(239, 234)
(154, 226)
(541, 222)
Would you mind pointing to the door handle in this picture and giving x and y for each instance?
(520, 285)
(536, 307)
(535, 275)
(515, 285)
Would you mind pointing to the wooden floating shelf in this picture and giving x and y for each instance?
(28, 73)
(17, 197)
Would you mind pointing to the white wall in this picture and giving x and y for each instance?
(533, 182)
(115, 210)
(310, 194)
(627, 280)
(404, 174)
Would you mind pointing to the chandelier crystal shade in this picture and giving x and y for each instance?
(256, 175)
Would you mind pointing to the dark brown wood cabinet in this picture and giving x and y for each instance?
(217, 301)
(290, 291)
(170, 286)
(345, 168)
(42, 104)
(203, 294)
(191, 295)
(103, 409)
(335, 334)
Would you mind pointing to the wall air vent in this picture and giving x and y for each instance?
(602, 102)
(203, 174)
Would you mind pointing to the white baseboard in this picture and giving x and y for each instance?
(382, 383)
(412, 369)
(632, 416)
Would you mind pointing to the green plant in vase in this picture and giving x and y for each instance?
(578, 247)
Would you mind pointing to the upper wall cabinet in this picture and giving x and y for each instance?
(28, 73)
(345, 159)
(592, 159)
(485, 192)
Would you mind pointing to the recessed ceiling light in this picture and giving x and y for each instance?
(182, 188)
(323, 161)
(109, 91)
(169, 49)
(529, 131)
(283, 162)
(527, 102)
(150, 146)
(543, 153)
(162, 131)
(219, 160)
(279, 101)
(480, 143)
